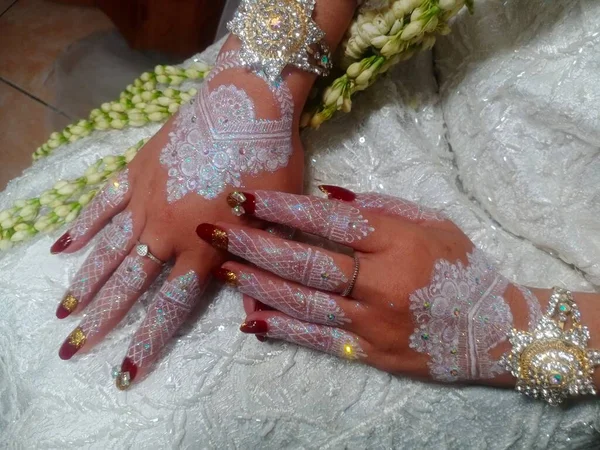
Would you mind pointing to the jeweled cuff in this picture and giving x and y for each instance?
(552, 362)
(277, 33)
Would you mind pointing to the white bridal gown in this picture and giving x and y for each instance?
(500, 128)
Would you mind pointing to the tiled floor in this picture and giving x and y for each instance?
(33, 34)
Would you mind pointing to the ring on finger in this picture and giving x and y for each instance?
(350, 286)
(143, 251)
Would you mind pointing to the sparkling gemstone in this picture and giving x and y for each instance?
(116, 370)
(331, 316)
(425, 336)
(238, 210)
(275, 23)
(556, 378)
(142, 249)
(238, 196)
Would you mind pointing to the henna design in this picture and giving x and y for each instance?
(111, 196)
(114, 242)
(460, 317)
(301, 303)
(114, 298)
(397, 207)
(168, 311)
(289, 260)
(318, 337)
(217, 138)
(337, 221)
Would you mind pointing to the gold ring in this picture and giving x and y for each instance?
(350, 286)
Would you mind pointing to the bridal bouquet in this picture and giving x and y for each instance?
(382, 34)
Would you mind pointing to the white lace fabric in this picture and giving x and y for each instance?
(506, 145)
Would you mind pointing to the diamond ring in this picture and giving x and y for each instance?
(143, 250)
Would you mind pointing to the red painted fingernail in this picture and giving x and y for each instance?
(226, 276)
(127, 375)
(215, 236)
(72, 344)
(66, 306)
(254, 327)
(242, 203)
(62, 244)
(338, 193)
(262, 338)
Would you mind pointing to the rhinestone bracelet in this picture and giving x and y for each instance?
(275, 33)
(551, 362)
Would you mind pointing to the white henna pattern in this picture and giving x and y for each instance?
(301, 303)
(337, 221)
(289, 260)
(318, 337)
(397, 207)
(217, 138)
(460, 317)
(111, 196)
(114, 299)
(166, 314)
(114, 242)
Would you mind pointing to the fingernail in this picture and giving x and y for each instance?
(62, 244)
(262, 338)
(226, 276)
(215, 236)
(126, 375)
(338, 193)
(254, 327)
(66, 306)
(72, 344)
(241, 203)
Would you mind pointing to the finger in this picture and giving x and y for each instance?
(112, 199)
(116, 241)
(302, 263)
(337, 221)
(384, 204)
(167, 312)
(290, 298)
(115, 299)
(331, 340)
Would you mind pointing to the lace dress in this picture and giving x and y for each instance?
(499, 127)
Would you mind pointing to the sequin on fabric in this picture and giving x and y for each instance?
(217, 139)
(460, 317)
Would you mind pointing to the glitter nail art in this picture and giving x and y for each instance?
(337, 221)
(166, 314)
(301, 303)
(116, 297)
(460, 317)
(217, 138)
(290, 260)
(318, 337)
(110, 197)
(397, 207)
(114, 243)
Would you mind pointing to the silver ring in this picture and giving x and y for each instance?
(143, 250)
(348, 289)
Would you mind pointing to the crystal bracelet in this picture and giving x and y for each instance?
(551, 362)
(275, 33)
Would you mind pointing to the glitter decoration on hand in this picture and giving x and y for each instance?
(290, 260)
(111, 196)
(337, 221)
(166, 314)
(333, 341)
(115, 241)
(217, 138)
(296, 301)
(460, 317)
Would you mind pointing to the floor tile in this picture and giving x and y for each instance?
(24, 125)
(34, 33)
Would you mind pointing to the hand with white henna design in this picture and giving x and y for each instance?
(417, 297)
(241, 130)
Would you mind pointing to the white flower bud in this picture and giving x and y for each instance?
(117, 124)
(152, 109)
(74, 138)
(5, 244)
(411, 30)
(8, 223)
(391, 47)
(164, 101)
(21, 226)
(135, 116)
(105, 107)
(156, 116)
(41, 224)
(159, 70)
(72, 216)
(67, 189)
(60, 184)
(145, 76)
(333, 96)
(28, 213)
(56, 203)
(170, 70)
(137, 123)
(55, 136)
(21, 235)
(192, 91)
(200, 66)
(447, 5)
(84, 199)
(185, 97)
(368, 31)
(364, 77)
(94, 178)
(362, 43)
(149, 86)
(381, 24)
(416, 14)
(317, 120)
(176, 80)
(20, 203)
(101, 125)
(397, 26)
(53, 144)
(347, 105)
(163, 79)
(173, 108)
(380, 41)
(6, 214)
(431, 25)
(354, 69)
(147, 96)
(62, 210)
(192, 73)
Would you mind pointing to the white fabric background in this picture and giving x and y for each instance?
(502, 132)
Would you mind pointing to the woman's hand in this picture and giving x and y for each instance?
(423, 302)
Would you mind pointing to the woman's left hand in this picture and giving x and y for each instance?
(415, 298)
